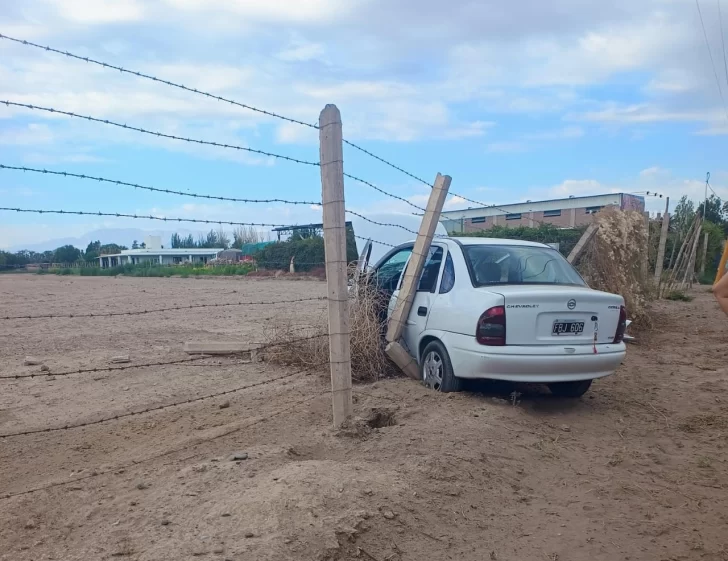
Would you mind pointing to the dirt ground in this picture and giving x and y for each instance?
(635, 470)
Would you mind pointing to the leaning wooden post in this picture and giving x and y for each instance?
(408, 287)
(332, 197)
(690, 269)
(581, 244)
(705, 252)
(663, 240)
(646, 255)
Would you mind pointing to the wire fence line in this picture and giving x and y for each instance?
(160, 310)
(155, 189)
(155, 408)
(156, 133)
(155, 79)
(68, 174)
(133, 463)
(193, 359)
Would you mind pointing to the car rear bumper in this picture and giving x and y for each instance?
(537, 363)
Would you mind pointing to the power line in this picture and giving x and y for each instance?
(159, 310)
(156, 133)
(139, 216)
(710, 54)
(155, 79)
(722, 40)
(150, 409)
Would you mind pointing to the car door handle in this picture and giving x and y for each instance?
(422, 311)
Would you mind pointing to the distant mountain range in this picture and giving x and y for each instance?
(121, 236)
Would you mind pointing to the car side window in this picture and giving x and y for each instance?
(431, 270)
(448, 276)
(388, 273)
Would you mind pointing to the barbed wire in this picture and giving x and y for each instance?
(159, 310)
(369, 184)
(133, 463)
(151, 409)
(155, 189)
(161, 363)
(139, 217)
(187, 194)
(155, 79)
(156, 133)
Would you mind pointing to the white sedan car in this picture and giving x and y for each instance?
(505, 310)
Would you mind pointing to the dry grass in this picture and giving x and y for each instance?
(613, 262)
(368, 359)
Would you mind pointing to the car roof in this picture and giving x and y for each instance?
(494, 241)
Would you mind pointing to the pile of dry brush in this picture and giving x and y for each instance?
(614, 261)
(368, 359)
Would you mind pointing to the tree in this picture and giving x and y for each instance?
(223, 240)
(134, 245)
(243, 235)
(92, 251)
(176, 241)
(142, 246)
(714, 210)
(67, 254)
(111, 248)
(683, 216)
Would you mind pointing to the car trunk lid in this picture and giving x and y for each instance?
(558, 314)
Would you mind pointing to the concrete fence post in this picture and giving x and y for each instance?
(334, 220)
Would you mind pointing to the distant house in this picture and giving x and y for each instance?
(154, 253)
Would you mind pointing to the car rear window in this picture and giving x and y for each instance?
(513, 264)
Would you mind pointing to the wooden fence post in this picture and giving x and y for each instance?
(705, 252)
(412, 275)
(646, 255)
(332, 197)
(581, 244)
(663, 240)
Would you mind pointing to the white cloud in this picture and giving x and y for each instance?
(300, 50)
(565, 133)
(91, 12)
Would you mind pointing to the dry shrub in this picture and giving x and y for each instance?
(613, 261)
(369, 362)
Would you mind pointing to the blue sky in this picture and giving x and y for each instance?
(519, 100)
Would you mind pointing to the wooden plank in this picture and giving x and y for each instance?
(663, 241)
(705, 252)
(419, 255)
(332, 197)
(581, 244)
(403, 360)
(216, 347)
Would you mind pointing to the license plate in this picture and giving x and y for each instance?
(567, 328)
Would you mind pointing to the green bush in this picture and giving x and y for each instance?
(545, 233)
(150, 270)
(309, 253)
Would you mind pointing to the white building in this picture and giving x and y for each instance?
(154, 253)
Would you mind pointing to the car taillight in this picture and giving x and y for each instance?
(491, 329)
(621, 326)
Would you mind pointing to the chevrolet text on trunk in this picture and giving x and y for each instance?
(505, 310)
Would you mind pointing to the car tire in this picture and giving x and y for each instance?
(436, 369)
(570, 389)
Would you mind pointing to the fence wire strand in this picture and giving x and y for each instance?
(156, 133)
(151, 409)
(168, 309)
(159, 80)
(199, 442)
(181, 361)
(155, 189)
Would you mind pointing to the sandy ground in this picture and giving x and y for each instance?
(635, 470)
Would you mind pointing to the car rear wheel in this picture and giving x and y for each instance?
(570, 389)
(436, 369)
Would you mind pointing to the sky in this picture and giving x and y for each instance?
(521, 100)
